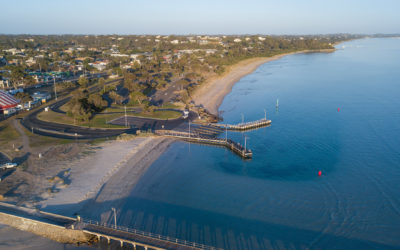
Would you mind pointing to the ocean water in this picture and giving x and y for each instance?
(339, 113)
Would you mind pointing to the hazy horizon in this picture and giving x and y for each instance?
(179, 17)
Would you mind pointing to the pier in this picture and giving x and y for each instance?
(70, 230)
(135, 238)
(194, 137)
(244, 125)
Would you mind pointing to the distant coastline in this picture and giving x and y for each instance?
(212, 93)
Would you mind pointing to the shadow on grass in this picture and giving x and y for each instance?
(21, 159)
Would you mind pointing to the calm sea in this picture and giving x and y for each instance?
(339, 113)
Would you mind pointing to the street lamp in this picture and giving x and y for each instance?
(115, 217)
(55, 89)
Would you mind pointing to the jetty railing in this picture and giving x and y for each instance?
(232, 145)
(157, 237)
(243, 126)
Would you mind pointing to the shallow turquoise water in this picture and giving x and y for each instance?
(276, 200)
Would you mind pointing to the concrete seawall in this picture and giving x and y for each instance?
(40, 227)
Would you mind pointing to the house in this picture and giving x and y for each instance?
(99, 65)
(237, 40)
(41, 96)
(203, 42)
(30, 61)
(119, 55)
(8, 103)
(210, 51)
(4, 83)
(167, 58)
(261, 38)
(175, 42)
(135, 56)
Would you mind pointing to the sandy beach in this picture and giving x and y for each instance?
(107, 174)
(211, 94)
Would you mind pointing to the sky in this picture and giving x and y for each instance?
(182, 17)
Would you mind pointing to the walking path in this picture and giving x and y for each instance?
(25, 139)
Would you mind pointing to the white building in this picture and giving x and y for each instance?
(99, 65)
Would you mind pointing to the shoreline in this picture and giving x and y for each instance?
(115, 168)
(212, 93)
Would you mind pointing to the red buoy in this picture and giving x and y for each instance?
(319, 173)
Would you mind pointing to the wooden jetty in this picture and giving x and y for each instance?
(244, 126)
(194, 137)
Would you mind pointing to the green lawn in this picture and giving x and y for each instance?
(169, 106)
(98, 121)
(7, 133)
(162, 114)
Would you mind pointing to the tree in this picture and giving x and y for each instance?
(97, 102)
(23, 97)
(182, 83)
(83, 82)
(116, 98)
(220, 70)
(137, 97)
(102, 82)
(102, 85)
(17, 76)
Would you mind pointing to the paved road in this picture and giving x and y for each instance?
(31, 122)
(168, 95)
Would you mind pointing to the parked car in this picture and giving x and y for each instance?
(8, 165)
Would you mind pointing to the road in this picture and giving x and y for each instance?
(32, 123)
(168, 95)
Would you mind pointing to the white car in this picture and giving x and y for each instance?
(9, 165)
(185, 114)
